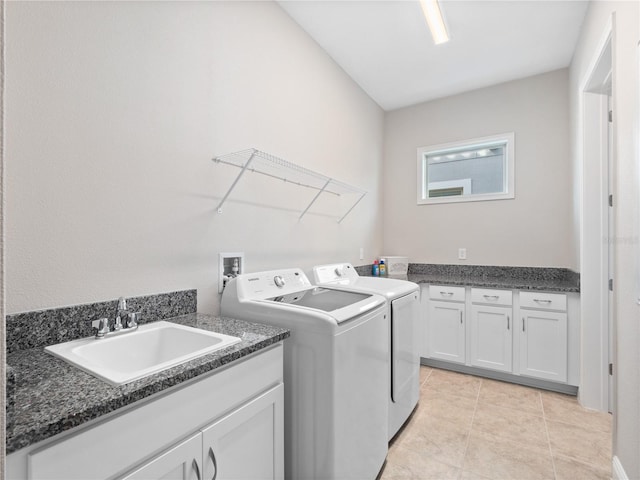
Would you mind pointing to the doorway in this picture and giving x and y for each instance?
(597, 229)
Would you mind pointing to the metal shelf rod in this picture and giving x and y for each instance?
(235, 182)
(352, 207)
(314, 199)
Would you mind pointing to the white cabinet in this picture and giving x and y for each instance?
(451, 294)
(181, 462)
(252, 432)
(248, 443)
(530, 336)
(543, 301)
(236, 411)
(491, 338)
(491, 330)
(446, 330)
(543, 338)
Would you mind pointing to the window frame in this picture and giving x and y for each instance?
(444, 148)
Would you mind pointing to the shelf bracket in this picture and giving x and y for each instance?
(314, 199)
(235, 182)
(352, 207)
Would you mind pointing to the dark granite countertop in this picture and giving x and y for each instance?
(49, 396)
(547, 285)
(489, 276)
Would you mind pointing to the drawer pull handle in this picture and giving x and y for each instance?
(215, 463)
(196, 468)
(508, 326)
(545, 302)
(460, 317)
(523, 324)
(446, 294)
(491, 298)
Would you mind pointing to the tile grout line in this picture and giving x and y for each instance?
(473, 417)
(580, 425)
(546, 429)
(427, 377)
(574, 424)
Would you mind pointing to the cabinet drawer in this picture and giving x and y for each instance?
(544, 301)
(440, 292)
(492, 297)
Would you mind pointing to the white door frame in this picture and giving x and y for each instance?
(595, 241)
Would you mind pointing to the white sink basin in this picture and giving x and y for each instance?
(149, 349)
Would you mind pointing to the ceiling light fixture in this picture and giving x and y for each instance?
(433, 14)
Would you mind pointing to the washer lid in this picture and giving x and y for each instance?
(389, 287)
(327, 300)
(339, 275)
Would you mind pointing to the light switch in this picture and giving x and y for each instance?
(462, 254)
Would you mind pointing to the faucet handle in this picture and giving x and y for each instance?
(102, 325)
(133, 319)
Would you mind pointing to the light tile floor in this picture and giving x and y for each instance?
(467, 427)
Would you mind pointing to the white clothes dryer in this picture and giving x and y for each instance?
(335, 364)
(403, 312)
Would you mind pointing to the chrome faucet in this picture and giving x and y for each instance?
(124, 321)
(121, 309)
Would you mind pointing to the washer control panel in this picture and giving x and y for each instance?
(272, 283)
(337, 272)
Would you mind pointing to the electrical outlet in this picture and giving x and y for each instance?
(229, 265)
(462, 254)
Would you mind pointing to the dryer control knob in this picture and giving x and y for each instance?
(279, 281)
(339, 271)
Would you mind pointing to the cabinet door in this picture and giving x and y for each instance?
(491, 337)
(182, 462)
(446, 331)
(543, 345)
(248, 443)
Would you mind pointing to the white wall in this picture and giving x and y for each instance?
(3, 345)
(534, 229)
(626, 436)
(114, 110)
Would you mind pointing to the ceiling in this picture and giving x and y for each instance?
(386, 46)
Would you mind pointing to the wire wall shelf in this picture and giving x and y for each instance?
(256, 161)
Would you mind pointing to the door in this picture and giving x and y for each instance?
(491, 337)
(248, 443)
(597, 243)
(543, 345)
(446, 331)
(405, 359)
(182, 462)
(610, 253)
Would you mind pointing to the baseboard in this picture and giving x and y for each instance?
(505, 377)
(617, 470)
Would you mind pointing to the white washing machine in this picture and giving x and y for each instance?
(403, 311)
(335, 365)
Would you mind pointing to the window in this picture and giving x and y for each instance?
(468, 171)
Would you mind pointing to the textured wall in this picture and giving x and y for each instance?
(534, 229)
(114, 110)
